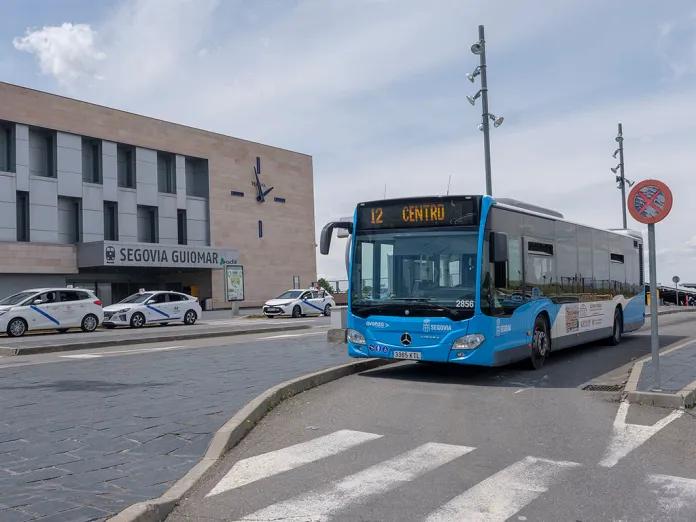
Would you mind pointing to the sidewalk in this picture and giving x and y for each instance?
(677, 382)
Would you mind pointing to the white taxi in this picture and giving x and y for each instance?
(297, 303)
(157, 307)
(50, 309)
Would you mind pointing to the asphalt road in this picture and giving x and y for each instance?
(85, 434)
(420, 442)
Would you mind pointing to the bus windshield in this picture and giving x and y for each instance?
(423, 273)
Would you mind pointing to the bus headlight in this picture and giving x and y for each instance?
(468, 342)
(355, 337)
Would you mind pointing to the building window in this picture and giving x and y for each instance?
(237, 193)
(166, 173)
(181, 226)
(148, 229)
(22, 216)
(42, 153)
(197, 177)
(110, 221)
(260, 228)
(279, 199)
(6, 147)
(91, 160)
(69, 212)
(126, 165)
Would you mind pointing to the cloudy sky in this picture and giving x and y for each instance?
(374, 91)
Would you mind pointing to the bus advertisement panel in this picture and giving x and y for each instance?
(474, 280)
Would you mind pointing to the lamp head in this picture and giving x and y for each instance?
(472, 99)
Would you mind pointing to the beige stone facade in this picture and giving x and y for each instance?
(287, 247)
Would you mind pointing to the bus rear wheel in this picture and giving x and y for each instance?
(617, 331)
(541, 343)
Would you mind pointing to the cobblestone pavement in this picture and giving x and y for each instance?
(82, 439)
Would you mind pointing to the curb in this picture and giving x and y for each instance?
(669, 312)
(233, 431)
(684, 398)
(31, 350)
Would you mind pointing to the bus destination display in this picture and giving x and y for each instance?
(418, 213)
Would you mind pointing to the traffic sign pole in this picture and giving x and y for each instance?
(649, 202)
(654, 334)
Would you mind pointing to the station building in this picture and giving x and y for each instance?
(113, 201)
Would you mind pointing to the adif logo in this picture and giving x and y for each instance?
(430, 327)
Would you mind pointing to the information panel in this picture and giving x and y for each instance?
(422, 212)
(234, 282)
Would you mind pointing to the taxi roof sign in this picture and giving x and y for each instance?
(650, 201)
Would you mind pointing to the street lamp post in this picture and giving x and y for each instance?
(484, 111)
(621, 178)
(479, 48)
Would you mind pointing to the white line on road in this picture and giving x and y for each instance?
(285, 336)
(268, 464)
(115, 352)
(320, 504)
(500, 496)
(674, 494)
(628, 437)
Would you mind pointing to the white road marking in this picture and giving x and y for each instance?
(268, 464)
(115, 352)
(320, 504)
(628, 437)
(521, 390)
(674, 493)
(285, 336)
(503, 494)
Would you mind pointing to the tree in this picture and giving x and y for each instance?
(323, 283)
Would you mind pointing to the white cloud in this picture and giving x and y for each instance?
(68, 52)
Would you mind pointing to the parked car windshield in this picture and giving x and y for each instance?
(137, 298)
(290, 294)
(17, 298)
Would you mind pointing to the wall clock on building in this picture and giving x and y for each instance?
(261, 190)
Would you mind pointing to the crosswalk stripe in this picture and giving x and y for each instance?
(675, 493)
(503, 494)
(320, 504)
(268, 464)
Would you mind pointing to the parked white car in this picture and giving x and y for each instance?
(158, 307)
(297, 303)
(49, 309)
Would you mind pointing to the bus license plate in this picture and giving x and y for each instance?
(407, 355)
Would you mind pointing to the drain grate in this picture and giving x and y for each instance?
(604, 387)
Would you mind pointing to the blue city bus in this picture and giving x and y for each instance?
(484, 281)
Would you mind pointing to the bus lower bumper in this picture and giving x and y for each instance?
(476, 357)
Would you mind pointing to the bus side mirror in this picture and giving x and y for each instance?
(325, 238)
(499, 247)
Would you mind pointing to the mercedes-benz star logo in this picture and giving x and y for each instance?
(406, 339)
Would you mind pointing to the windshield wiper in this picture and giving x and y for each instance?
(421, 299)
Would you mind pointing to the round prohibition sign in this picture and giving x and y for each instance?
(650, 201)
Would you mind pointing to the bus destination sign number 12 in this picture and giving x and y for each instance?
(418, 213)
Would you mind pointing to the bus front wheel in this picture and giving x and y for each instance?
(541, 343)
